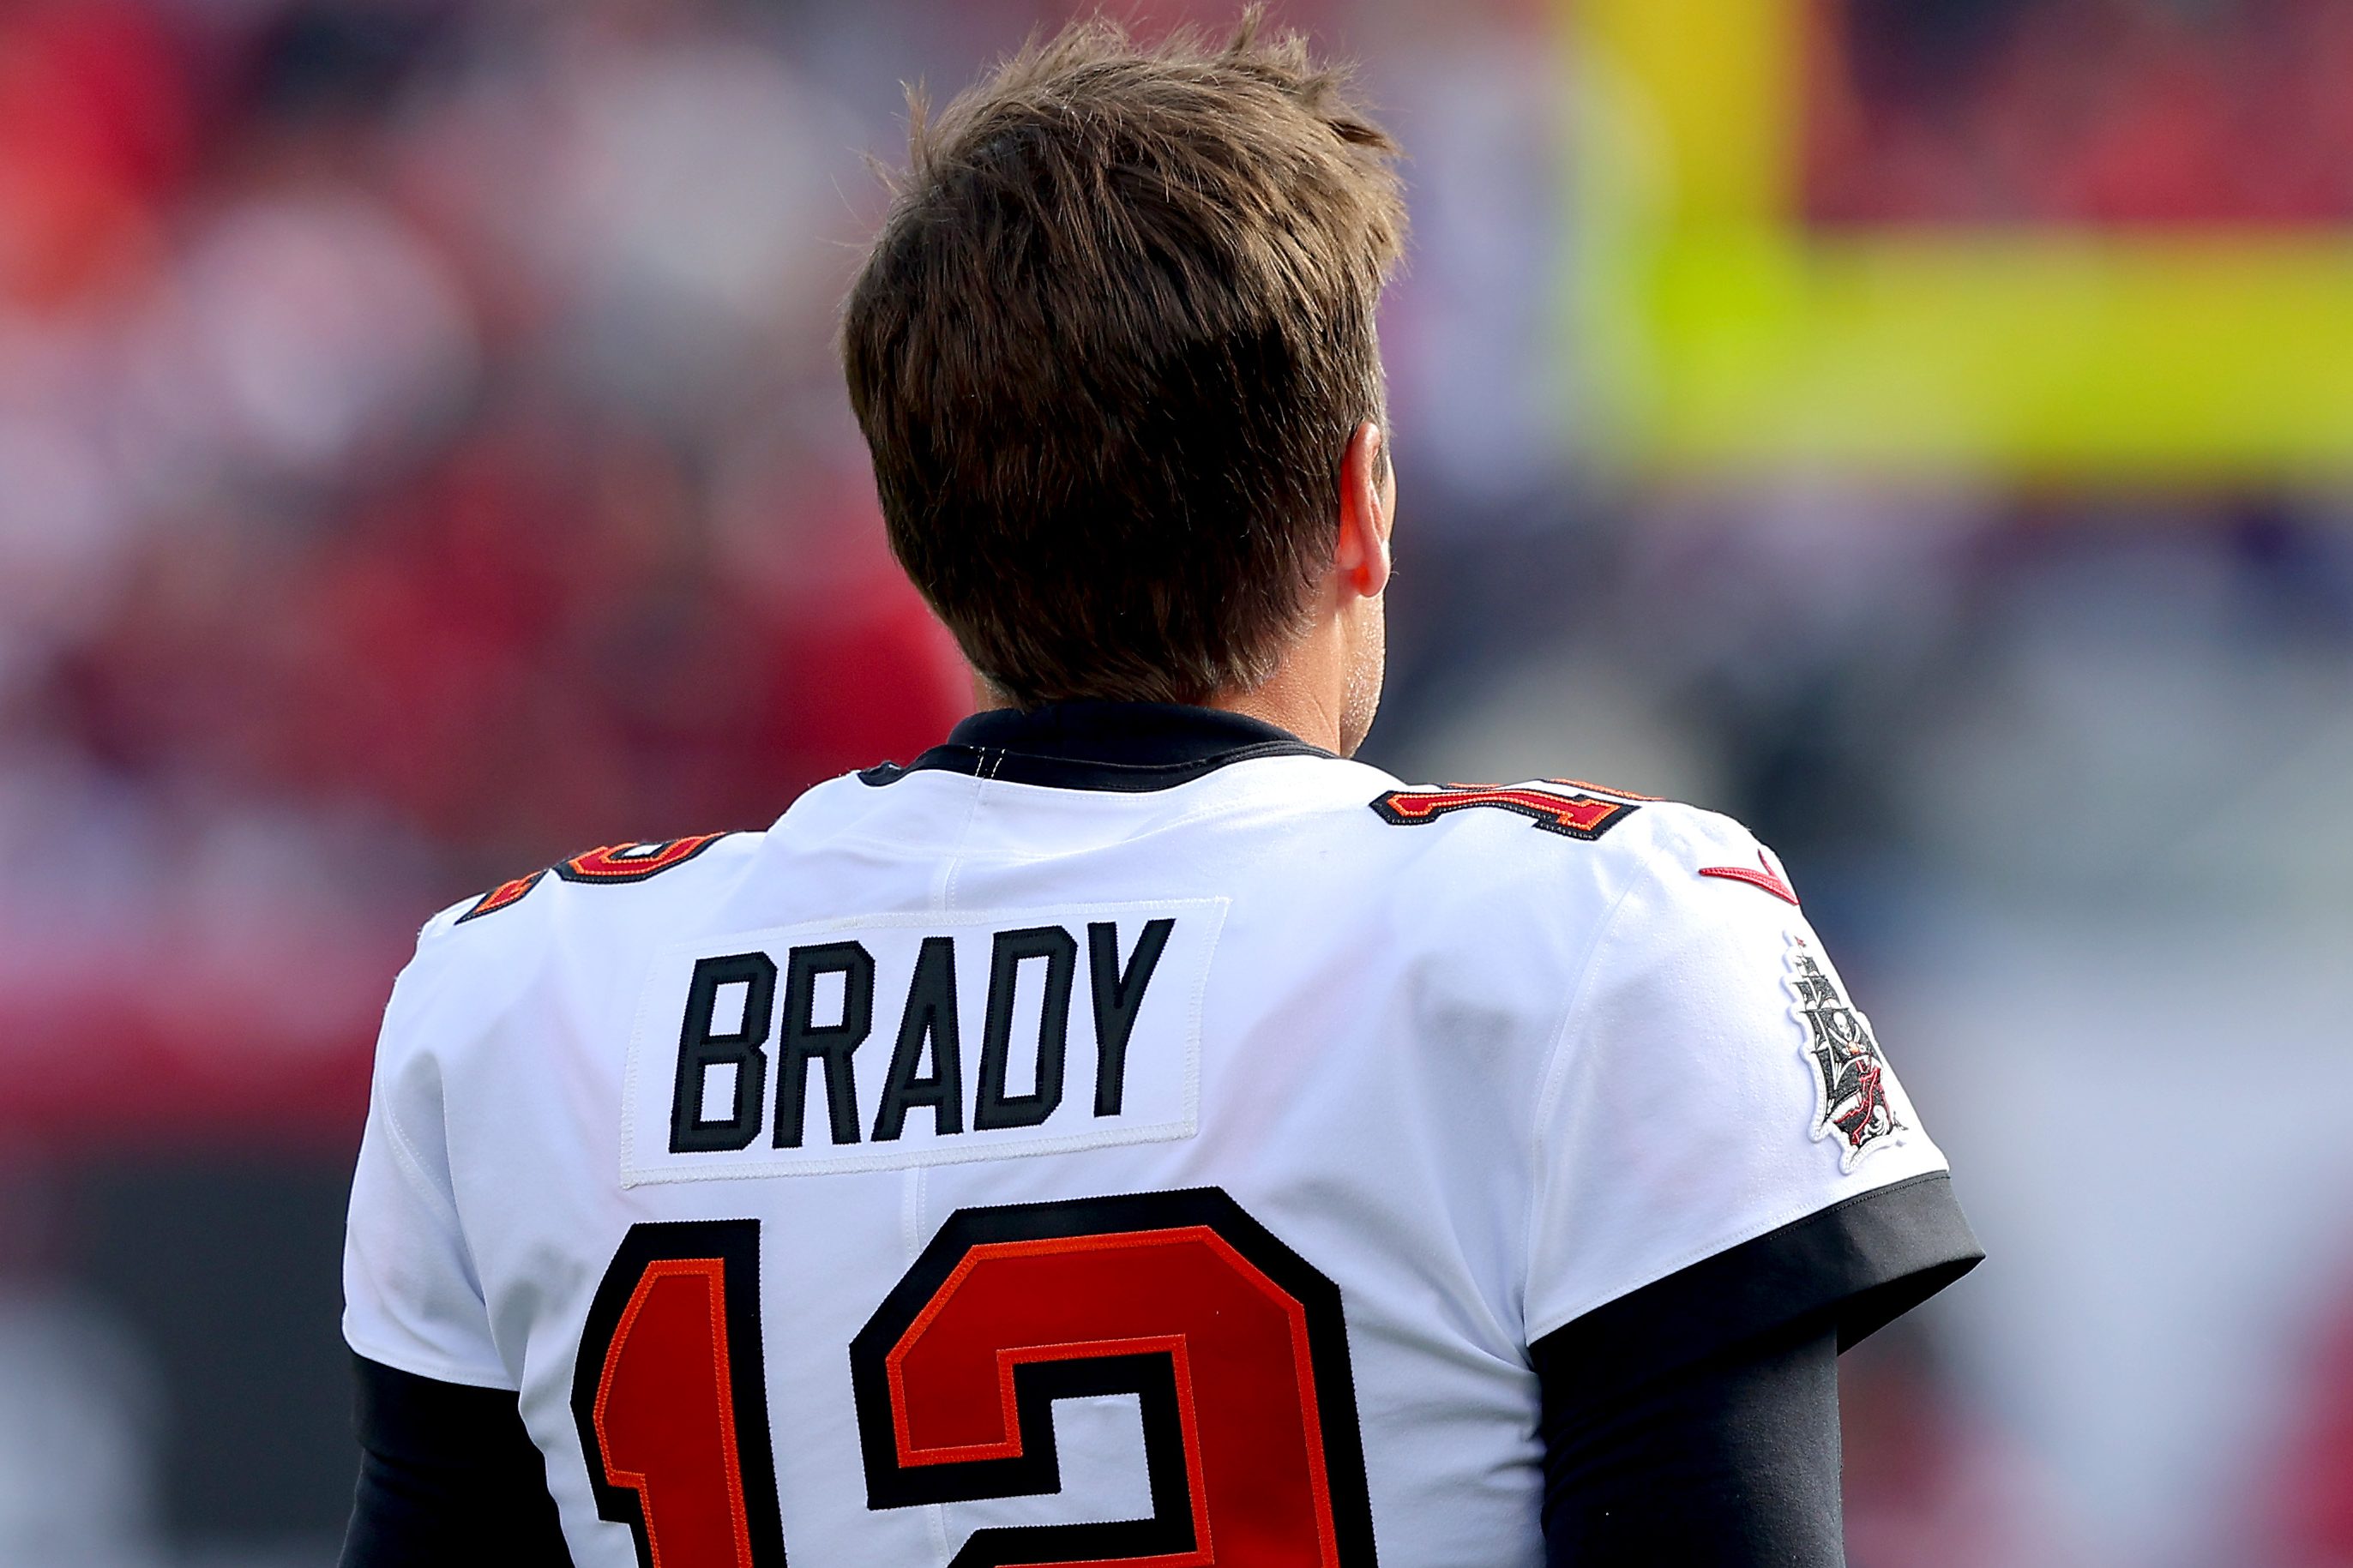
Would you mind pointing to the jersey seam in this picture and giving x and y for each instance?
(1549, 1086)
(410, 1163)
(944, 890)
(412, 1168)
(413, 1171)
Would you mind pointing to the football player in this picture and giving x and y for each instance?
(1133, 1131)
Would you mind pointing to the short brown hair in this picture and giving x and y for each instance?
(1108, 348)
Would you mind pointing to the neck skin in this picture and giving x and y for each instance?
(1319, 692)
(1327, 685)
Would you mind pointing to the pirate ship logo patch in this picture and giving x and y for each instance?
(1851, 1076)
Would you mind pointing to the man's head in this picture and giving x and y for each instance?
(1114, 353)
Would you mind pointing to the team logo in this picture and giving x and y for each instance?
(1849, 1071)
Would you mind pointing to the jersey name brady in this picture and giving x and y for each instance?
(891, 1042)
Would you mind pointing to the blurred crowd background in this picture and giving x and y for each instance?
(422, 457)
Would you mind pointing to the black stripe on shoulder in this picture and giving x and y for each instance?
(1861, 1264)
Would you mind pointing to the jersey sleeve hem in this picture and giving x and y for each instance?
(436, 1368)
(1862, 1263)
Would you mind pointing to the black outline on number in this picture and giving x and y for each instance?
(734, 1243)
(1035, 1469)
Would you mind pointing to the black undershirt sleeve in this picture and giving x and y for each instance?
(1696, 1420)
(1729, 1462)
(448, 1475)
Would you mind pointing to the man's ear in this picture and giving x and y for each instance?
(1368, 493)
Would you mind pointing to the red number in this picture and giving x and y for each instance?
(1233, 1344)
(634, 862)
(671, 1403)
(1574, 815)
(613, 863)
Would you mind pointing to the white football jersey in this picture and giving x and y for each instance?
(1128, 1135)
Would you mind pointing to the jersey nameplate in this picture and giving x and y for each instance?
(918, 1039)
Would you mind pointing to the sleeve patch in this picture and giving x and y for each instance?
(1849, 1075)
(1571, 813)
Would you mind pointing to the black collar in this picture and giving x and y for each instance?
(1127, 747)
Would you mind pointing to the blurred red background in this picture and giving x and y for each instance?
(422, 458)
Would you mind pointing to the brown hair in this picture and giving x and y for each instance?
(1110, 347)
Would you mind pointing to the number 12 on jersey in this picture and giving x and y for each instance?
(1233, 1344)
